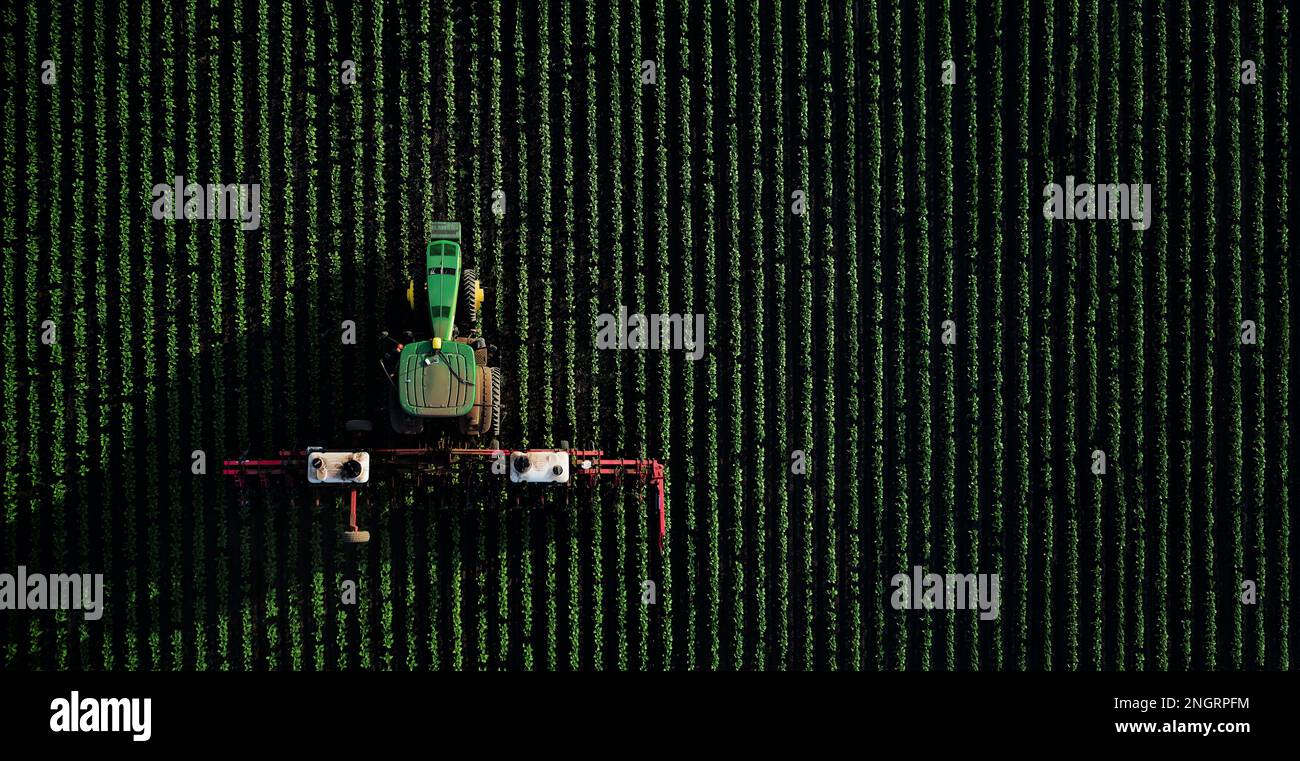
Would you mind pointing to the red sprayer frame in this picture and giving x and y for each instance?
(589, 463)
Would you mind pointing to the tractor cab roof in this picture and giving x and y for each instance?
(436, 382)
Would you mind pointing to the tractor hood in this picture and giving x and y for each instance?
(442, 270)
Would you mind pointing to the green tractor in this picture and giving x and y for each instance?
(445, 376)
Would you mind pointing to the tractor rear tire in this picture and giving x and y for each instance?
(398, 420)
(478, 421)
(497, 404)
(359, 426)
(468, 300)
(355, 537)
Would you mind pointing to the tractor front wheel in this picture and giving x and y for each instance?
(471, 297)
(355, 537)
(406, 305)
